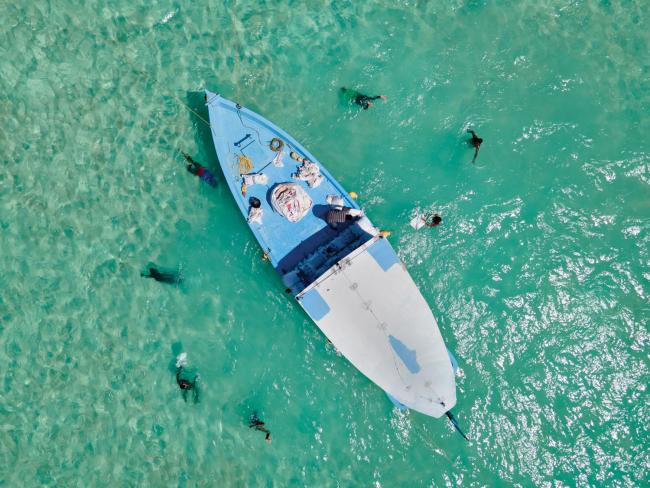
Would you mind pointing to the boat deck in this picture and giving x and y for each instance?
(288, 244)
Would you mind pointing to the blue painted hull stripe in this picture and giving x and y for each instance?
(383, 253)
(314, 304)
(408, 356)
(454, 362)
(396, 402)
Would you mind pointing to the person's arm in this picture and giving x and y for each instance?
(193, 167)
(188, 158)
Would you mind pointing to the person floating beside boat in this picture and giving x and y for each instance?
(360, 99)
(433, 220)
(255, 423)
(200, 171)
(476, 142)
(428, 220)
(183, 383)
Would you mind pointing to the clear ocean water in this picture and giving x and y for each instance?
(539, 274)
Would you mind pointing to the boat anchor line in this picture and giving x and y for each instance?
(455, 423)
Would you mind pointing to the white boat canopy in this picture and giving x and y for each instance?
(371, 309)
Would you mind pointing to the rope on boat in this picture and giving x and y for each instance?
(245, 164)
(276, 145)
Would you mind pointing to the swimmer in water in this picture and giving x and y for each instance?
(163, 277)
(428, 220)
(476, 142)
(200, 171)
(433, 220)
(184, 384)
(360, 99)
(255, 423)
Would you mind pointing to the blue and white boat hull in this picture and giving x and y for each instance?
(348, 279)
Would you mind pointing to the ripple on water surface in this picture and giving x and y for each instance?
(538, 275)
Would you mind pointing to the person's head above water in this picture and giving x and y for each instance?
(434, 221)
(183, 383)
(476, 141)
(192, 168)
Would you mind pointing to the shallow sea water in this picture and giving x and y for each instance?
(538, 276)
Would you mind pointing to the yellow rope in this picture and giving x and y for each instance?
(245, 164)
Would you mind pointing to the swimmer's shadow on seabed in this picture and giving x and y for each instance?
(180, 281)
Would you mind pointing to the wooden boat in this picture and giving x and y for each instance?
(339, 267)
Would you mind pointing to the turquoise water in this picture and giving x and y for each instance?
(538, 275)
